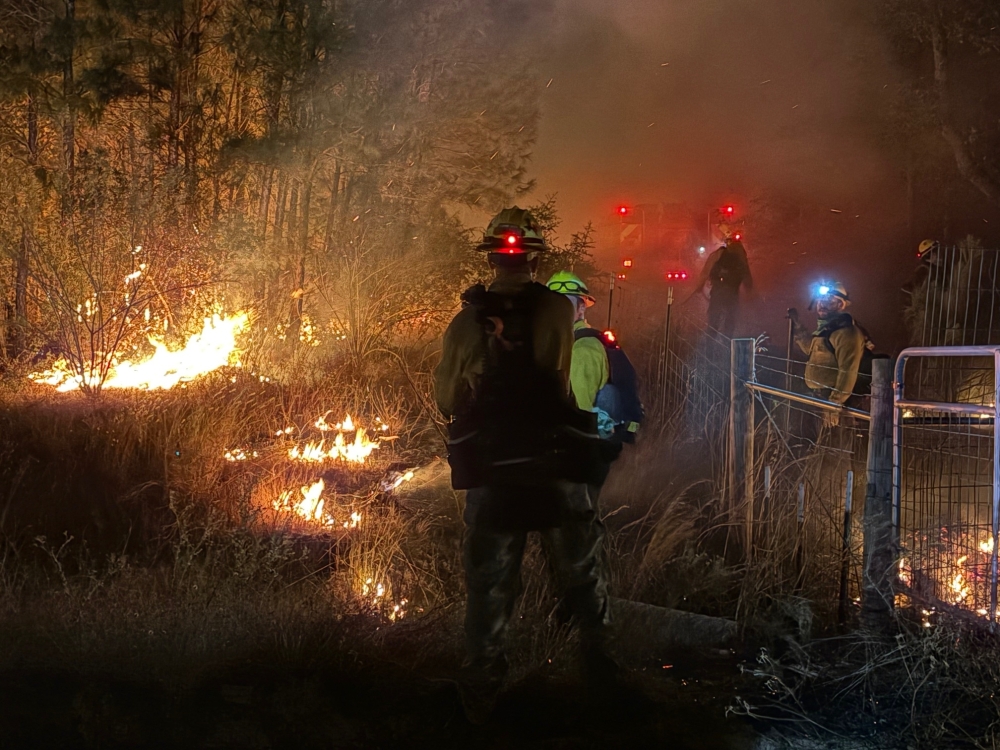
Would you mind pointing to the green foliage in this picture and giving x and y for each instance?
(574, 255)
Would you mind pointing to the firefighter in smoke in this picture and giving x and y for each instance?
(836, 349)
(726, 270)
(931, 269)
(602, 377)
(525, 454)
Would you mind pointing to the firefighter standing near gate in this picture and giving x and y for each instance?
(727, 270)
(603, 379)
(525, 454)
(836, 349)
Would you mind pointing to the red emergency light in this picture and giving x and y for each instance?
(609, 336)
(621, 276)
(676, 275)
(737, 236)
(627, 263)
(623, 210)
(511, 239)
(728, 210)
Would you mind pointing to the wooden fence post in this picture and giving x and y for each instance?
(879, 548)
(741, 433)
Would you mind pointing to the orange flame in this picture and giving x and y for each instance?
(311, 506)
(204, 352)
(354, 451)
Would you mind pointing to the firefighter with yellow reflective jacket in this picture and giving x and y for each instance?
(525, 454)
(602, 377)
(836, 349)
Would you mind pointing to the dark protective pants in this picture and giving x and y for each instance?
(492, 553)
(722, 308)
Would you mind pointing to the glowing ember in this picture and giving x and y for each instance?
(238, 454)
(957, 573)
(339, 448)
(213, 347)
(904, 571)
(959, 588)
(375, 595)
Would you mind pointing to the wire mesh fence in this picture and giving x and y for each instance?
(946, 496)
(946, 479)
(810, 475)
(955, 297)
(946, 473)
(807, 472)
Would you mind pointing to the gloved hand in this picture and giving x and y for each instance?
(831, 418)
(605, 424)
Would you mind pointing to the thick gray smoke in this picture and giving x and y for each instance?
(776, 105)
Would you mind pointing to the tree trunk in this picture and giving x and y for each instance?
(293, 212)
(174, 117)
(974, 173)
(272, 108)
(279, 209)
(22, 265)
(265, 201)
(331, 215)
(303, 243)
(192, 132)
(19, 339)
(69, 115)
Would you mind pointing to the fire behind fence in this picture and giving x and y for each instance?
(808, 476)
(946, 486)
(946, 475)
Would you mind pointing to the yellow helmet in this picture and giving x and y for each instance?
(568, 283)
(927, 246)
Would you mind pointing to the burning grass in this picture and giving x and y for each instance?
(197, 531)
(211, 348)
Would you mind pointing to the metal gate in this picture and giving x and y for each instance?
(946, 476)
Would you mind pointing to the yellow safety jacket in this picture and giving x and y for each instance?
(589, 372)
(836, 370)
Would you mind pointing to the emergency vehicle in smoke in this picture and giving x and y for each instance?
(670, 241)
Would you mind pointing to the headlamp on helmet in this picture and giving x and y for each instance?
(828, 289)
(513, 231)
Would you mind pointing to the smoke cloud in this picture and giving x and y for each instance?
(773, 104)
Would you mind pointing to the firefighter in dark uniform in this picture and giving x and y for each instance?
(498, 515)
(727, 270)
